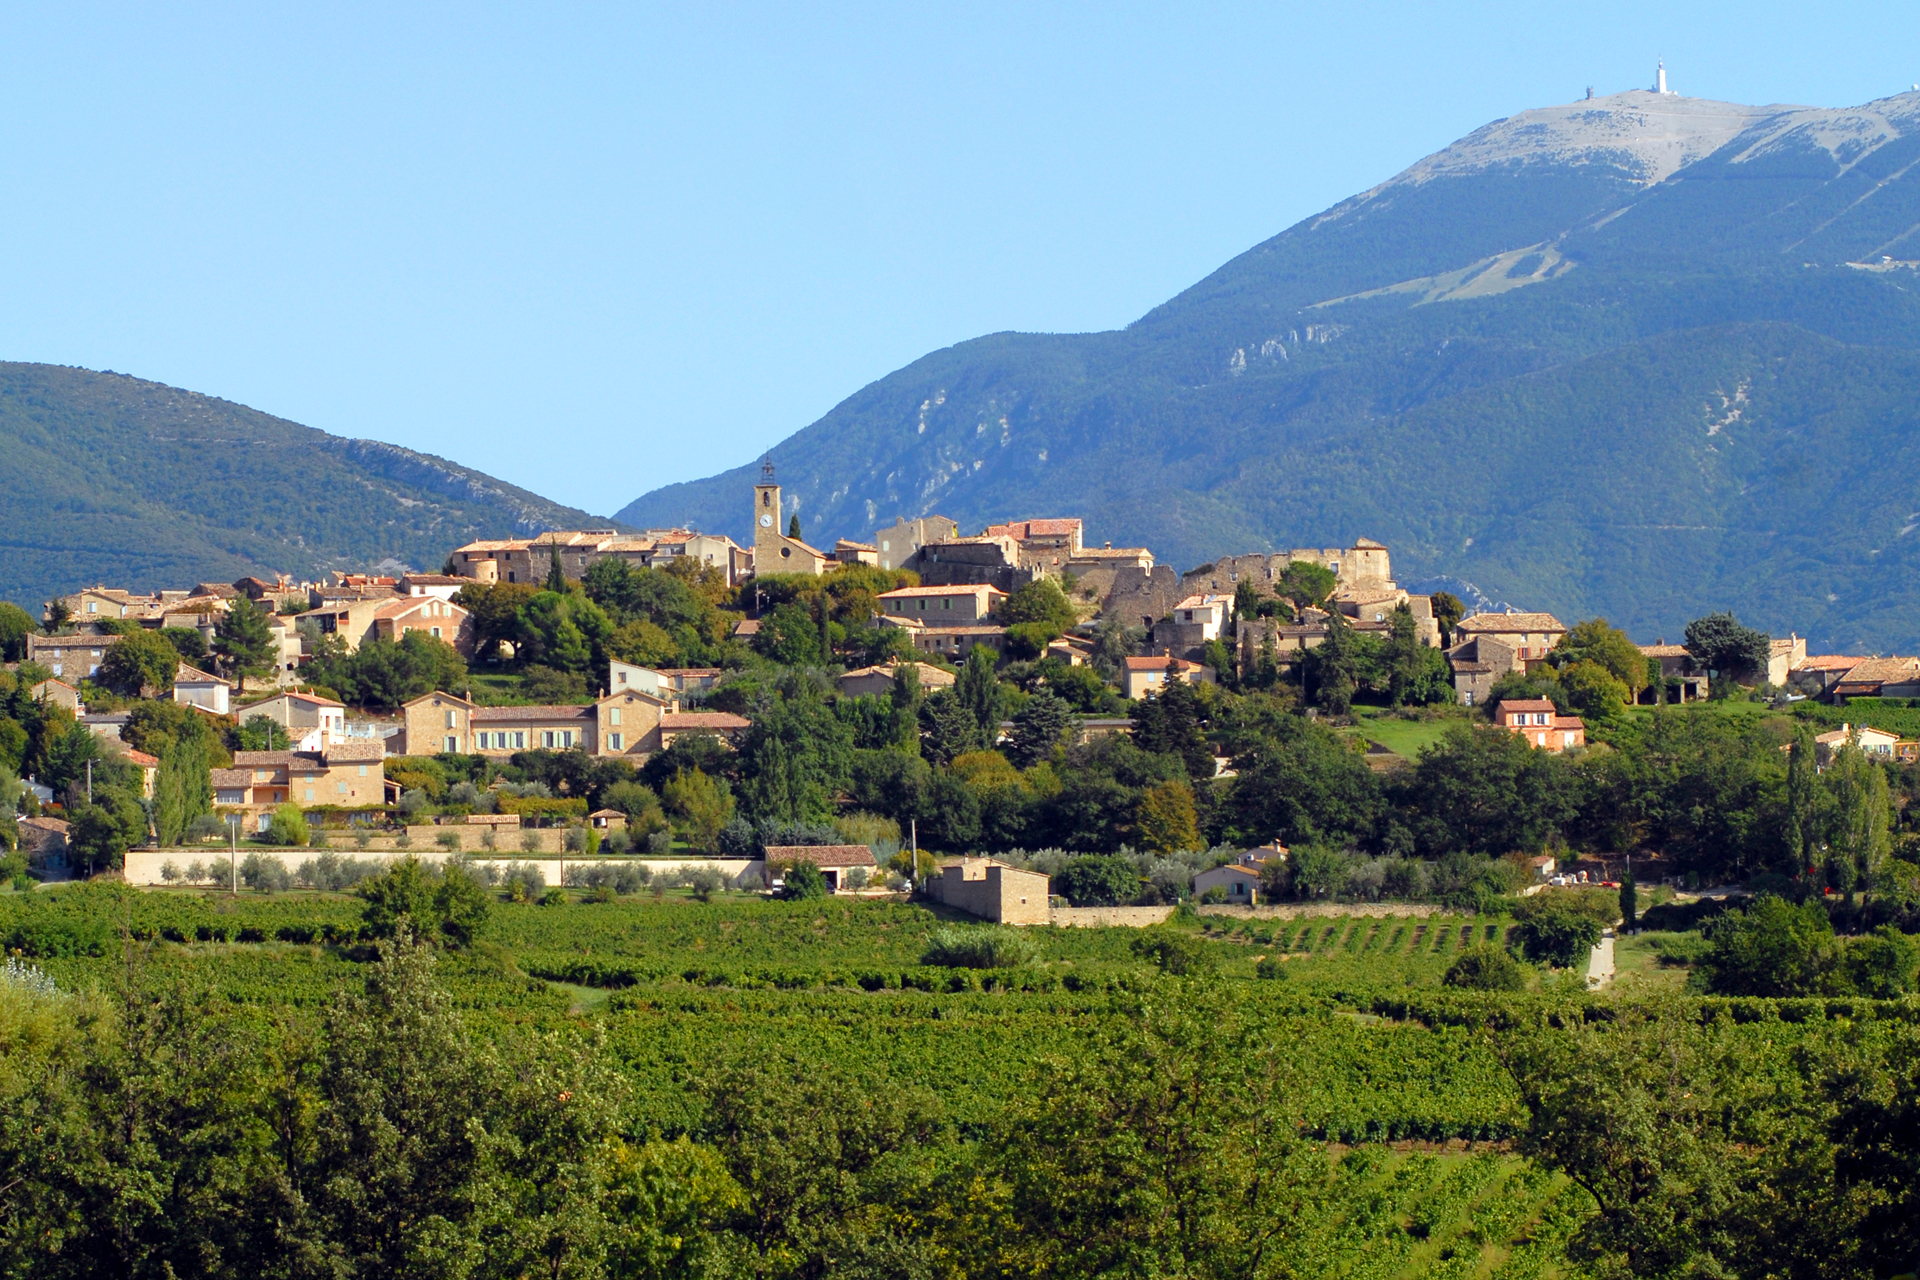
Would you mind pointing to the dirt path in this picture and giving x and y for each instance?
(1600, 962)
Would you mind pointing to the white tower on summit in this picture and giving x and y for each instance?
(1660, 79)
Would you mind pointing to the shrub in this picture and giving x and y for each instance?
(169, 871)
(264, 873)
(1098, 882)
(1559, 938)
(1270, 967)
(196, 872)
(1486, 967)
(448, 840)
(1177, 953)
(288, 826)
(554, 898)
(973, 947)
(706, 882)
(575, 840)
(1676, 949)
(802, 880)
(524, 882)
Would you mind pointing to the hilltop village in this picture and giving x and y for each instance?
(922, 692)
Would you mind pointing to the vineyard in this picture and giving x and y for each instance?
(1396, 1073)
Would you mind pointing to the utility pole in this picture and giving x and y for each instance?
(233, 860)
(913, 827)
(89, 782)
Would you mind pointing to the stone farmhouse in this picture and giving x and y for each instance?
(994, 890)
(340, 772)
(629, 723)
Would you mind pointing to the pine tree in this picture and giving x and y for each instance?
(793, 526)
(243, 641)
(978, 690)
(556, 573)
(1039, 729)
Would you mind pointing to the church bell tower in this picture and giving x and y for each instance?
(767, 529)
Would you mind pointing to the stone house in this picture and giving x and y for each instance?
(1680, 677)
(430, 615)
(988, 561)
(835, 861)
(1377, 604)
(348, 774)
(1142, 675)
(1193, 622)
(1529, 635)
(96, 603)
(441, 586)
(310, 720)
(1536, 720)
(72, 657)
(723, 725)
(1816, 675)
(1877, 743)
(895, 545)
(665, 683)
(1880, 678)
(992, 890)
(196, 688)
(1240, 878)
(59, 693)
(44, 841)
(879, 681)
(1107, 559)
(952, 643)
(1046, 545)
(773, 550)
(941, 606)
(629, 722)
(847, 551)
(1782, 657)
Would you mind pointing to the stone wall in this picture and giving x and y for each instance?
(1102, 917)
(1309, 910)
(1141, 597)
(993, 891)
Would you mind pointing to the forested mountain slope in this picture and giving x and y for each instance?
(110, 479)
(1641, 356)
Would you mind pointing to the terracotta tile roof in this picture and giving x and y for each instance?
(262, 759)
(141, 758)
(494, 544)
(193, 675)
(1880, 670)
(1158, 662)
(1523, 704)
(691, 671)
(230, 779)
(822, 855)
(1203, 601)
(981, 629)
(435, 580)
(1367, 595)
(1837, 736)
(495, 714)
(56, 825)
(848, 544)
(1663, 650)
(355, 751)
(1117, 553)
(1023, 529)
(703, 720)
(1830, 662)
(1569, 722)
(1504, 622)
(1462, 667)
(1368, 544)
(55, 680)
(747, 627)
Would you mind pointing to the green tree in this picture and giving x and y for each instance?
(1860, 843)
(448, 902)
(949, 727)
(701, 804)
(189, 642)
(790, 636)
(1486, 967)
(401, 1145)
(1041, 601)
(556, 574)
(1306, 585)
(243, 641)
(793, 526)
(1563, 939)
(1167, 1146)
(1728, 650)
(264, 733)
(16, 624)
(802, 880)
(139, 665)
(1168, 721)
(1040, 728)
(1773, 948)
(1333, 668)
(288, 826)
(1166, 821)
(1629, 903)
(1447, 612)
(100, 834)
(977, 688)
(1606, 646)
(182, 789)
(795, 758)
(1594, 691)
(1098, 882)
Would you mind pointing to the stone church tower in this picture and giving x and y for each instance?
(773, 550)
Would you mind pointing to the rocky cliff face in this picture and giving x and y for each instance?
(1513, 362)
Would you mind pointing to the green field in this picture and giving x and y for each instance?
(1402, 736)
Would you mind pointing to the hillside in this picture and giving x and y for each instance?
(1641, 356)
(114, 480)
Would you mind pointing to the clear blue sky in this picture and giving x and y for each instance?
(596, 249)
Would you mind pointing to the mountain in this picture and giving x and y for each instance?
(1640, 356)
(116, 481)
